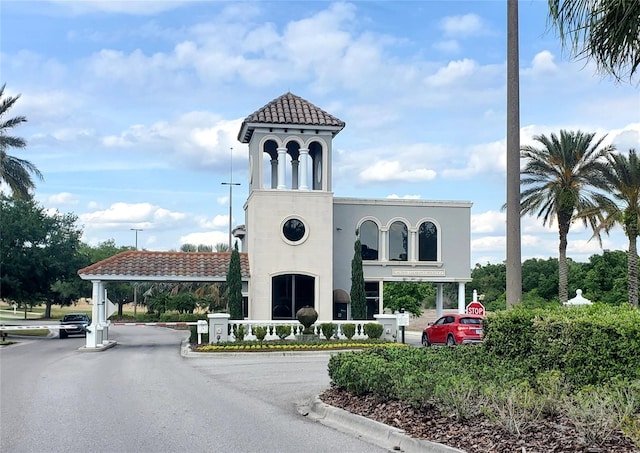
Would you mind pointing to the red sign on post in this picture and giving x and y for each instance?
(475, 308)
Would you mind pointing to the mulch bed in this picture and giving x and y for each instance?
(474, 436)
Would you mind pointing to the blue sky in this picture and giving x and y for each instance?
(133, 107)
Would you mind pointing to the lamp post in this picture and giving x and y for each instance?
(136, 230)
(135, 284)
(230, 184)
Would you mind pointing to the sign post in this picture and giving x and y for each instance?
(403, 321)
(475, 308)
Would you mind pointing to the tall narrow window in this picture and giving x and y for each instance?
(428, 242)
(369, 240)
(398, 236)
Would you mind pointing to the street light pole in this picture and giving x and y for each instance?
(136, 230)
(230, 184)
(135, 284)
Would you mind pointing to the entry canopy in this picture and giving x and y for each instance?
(132, 266)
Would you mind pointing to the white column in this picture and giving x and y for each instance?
(461, 305)
(304, 168)
(413, 245)
(439, 301)
(93, 338)
(282, 162)
(382, 253)
(274, 173)
(381, 297)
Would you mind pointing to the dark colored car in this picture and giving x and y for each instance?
(77, 322)
(454, 329)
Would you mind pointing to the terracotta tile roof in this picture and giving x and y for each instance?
(292, 110)
(166, 266)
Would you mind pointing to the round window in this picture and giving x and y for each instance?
(293, 230)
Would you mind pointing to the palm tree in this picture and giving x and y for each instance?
(15, 172)
(607, 31)
(559, 179)
(623, 177)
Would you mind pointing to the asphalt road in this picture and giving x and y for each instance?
(143, 396)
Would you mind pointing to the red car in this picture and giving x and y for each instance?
(453, 329)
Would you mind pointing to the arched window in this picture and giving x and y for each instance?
(369, 240)
(398, 236)
(428, 242)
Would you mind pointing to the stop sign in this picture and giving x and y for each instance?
(475, 308)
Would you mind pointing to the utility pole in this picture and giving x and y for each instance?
(514, 253)
(230, 184)
(135, 284)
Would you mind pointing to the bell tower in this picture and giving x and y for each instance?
(289, 211)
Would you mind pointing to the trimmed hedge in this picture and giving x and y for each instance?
(589, 345)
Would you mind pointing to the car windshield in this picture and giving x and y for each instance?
(74, 318)
(470, 320)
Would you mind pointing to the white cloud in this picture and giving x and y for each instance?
(462, 26)
(62, 198)
(488, 222)
(394, 196)
(452, 73)
(119, 6)
(393, 171)
(447, 46)
(488, 243)
(132, 215)
(543, 63)
(199, 139)
(219, 221)
(207, 238)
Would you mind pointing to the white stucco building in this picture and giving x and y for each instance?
(299, 239)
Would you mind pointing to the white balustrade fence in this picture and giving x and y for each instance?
(221, 328)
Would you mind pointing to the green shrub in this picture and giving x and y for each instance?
(363, 373)
(373, 330)
(349, 330)
(168, 317)
(260, 332)
(328, 329)
(239, 332)
(458, 396)
(283, 331)
(516, 408)
(596, 412)
(188, 317)
(147, 317)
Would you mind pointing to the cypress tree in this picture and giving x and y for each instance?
(234, 285)
(358, 296)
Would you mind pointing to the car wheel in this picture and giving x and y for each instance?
(425, 340)
(63, 334)
(451, 341)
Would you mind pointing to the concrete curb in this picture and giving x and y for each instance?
(377, 433)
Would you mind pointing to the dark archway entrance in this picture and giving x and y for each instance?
(291, 292)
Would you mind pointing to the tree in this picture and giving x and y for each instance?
(196, 248)
(560, 179)
(409, 295)
(605, 278)
(15, 172)
(37, 250)
(358, 295)
(234, 285)
(222, 247)
(623, 177)
(606, 31)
